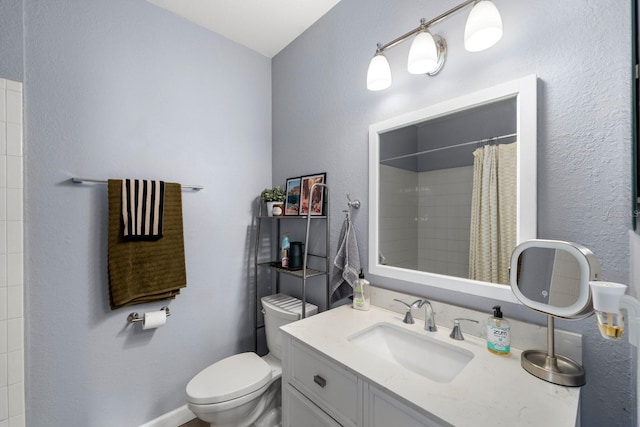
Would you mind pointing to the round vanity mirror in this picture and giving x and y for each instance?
(553, 277)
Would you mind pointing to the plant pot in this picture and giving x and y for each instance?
(279, 208)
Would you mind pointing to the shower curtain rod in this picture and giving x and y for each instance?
(479, 141)
(77, 180)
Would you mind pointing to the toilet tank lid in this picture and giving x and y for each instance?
(288, 305)
(229, 378)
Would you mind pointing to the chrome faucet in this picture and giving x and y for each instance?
(429, 317)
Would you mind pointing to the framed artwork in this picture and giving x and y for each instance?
(314, 201)
(292, 200)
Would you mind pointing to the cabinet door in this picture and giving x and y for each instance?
(298, 411)
(334, 389)
(383, 410)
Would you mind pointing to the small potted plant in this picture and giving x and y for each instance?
(272, 197)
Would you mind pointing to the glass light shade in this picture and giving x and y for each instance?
(483, 28)
(379, 73)
(423, 54)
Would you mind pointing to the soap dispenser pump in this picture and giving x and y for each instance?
(361, 293)
(498, 333)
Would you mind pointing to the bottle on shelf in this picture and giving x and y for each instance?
(284, 247)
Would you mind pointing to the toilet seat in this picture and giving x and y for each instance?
(228, 379)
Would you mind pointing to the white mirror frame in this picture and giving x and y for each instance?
(525, 92)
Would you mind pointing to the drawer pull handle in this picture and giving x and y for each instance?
(319, 380)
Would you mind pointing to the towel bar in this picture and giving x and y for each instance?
(135, 317)
(77, 180)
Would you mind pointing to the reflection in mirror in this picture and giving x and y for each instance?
(553, 277)
(441, 177)
(549, 276)
(452, 190)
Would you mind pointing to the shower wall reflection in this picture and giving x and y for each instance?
(426, 182)
(425, 219)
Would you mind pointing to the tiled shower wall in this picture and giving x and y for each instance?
(436, 206)
(12, 400)
(398, 217)
(445, 220)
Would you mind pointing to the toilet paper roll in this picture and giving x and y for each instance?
(154, 319)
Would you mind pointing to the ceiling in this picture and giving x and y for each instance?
(265, 26)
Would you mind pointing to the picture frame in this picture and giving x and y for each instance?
(292, 198)
(315, 200)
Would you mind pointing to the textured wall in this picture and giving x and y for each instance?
(125, 89)
(322, 110)
(11, 37)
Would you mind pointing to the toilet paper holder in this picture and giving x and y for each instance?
(135, 317)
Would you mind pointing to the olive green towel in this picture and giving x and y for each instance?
(141, 272)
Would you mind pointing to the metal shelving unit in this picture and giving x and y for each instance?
(306, 272)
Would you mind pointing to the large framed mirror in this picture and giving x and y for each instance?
(448, 180)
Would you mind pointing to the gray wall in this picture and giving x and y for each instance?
(400, 142)
(322, 110)
(11, 40)
(487, 121)
(476, 124)
(125, 89)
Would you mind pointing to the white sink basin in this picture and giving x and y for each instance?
(423, 355)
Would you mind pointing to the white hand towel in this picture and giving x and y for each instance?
(346, 266)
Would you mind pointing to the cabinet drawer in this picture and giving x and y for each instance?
(300, 411)
(331, 387)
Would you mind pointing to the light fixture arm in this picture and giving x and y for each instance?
(424, 24)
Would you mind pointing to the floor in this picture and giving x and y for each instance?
(195, 423)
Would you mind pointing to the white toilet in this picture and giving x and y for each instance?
(244, 389)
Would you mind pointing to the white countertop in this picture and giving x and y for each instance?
(490, 391)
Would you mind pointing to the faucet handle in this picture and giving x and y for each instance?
(456, 332)
(408, 317)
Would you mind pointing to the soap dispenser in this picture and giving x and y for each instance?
(361, 293)
(498, 334)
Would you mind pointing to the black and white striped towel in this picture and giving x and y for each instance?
(142, 209)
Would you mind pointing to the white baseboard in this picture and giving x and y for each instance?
(175, 418)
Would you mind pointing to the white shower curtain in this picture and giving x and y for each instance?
(493, 213)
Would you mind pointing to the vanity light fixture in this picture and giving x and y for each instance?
(428, 52)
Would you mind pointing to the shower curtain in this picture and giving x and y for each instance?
(493, 213)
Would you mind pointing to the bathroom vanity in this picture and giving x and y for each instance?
(346, 367)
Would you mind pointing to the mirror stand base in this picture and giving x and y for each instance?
(551, 367)
(557, 369)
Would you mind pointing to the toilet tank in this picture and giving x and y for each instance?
(279, 310)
